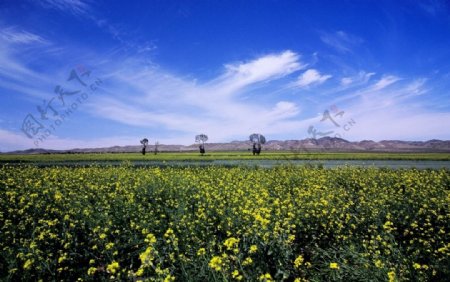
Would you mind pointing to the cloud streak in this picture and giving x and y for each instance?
(15, 36)
(76, 7)
(214, 107)
(341, 41)
(312, 77)
(384, 82)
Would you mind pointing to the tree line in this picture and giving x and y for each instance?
(257, 140)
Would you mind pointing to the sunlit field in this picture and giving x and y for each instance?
(224, 224)
(236, 155)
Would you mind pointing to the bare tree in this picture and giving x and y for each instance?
(156, 147)
(144, 143)
(257, 139)
(201, 138)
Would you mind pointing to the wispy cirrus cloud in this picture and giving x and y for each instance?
(17, 49)
(364, 88)
(384, 82)
(216, 106)
(265, 68)
(388, 108)
(84, 9)
(76, 7)
(361, 78)
(341, 41)
(312, 77)
(15, 35)
(396, 113)
(435, 7)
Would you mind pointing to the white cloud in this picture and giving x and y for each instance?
(159, 99)
(361, 78)
(341, 41)
(383, 112)
(380, 90)
(265, 68)
(384, 82)
(76, 7)
(311, 77)
(13, 35)
(346, 81)
(16, 51)
(417, 86)
(284, 109)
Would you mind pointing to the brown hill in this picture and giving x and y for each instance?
(329, 144)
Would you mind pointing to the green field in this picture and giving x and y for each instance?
(243, 155)
(287, 223)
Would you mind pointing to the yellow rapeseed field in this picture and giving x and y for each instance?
(224, 224)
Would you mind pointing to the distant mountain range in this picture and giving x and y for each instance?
(329, 144)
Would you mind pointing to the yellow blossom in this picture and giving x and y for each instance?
(169, 278)
(298, 261)
(109, 246)
(28, 264)
(150, 239)
(140, 272)
(391, 276)
(216, 263)
(247, 261)
(147, 256)
(230, 243)
(201, 252)
(378, 263)
(265, 277)
(235, 274)
(91, 271)
(334, 265)
(112, 267)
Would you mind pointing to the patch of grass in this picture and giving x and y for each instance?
(239, 155)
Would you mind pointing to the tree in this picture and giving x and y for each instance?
(144, 143)
(201, 138)
(257, 139)
(156, 147)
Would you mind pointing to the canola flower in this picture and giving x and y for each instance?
(391, 276)
(216, 263)
(201, 252)
(265, 277)
(231, 243)
(91, 271)
(236, 275)
(217, 223)
(113, 267)
(247, 261)
(334, 265)
(298, 261)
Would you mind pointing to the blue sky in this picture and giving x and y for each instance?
(107, 73)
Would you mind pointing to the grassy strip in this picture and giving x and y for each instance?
(243, 155)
